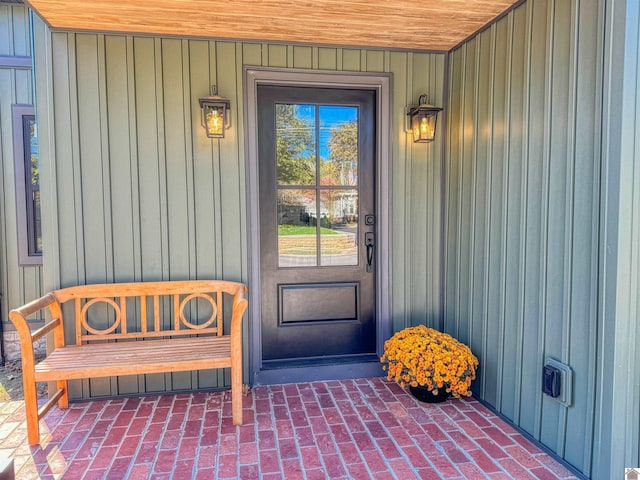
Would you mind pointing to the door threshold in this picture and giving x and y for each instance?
(318, 361)
(313, 373)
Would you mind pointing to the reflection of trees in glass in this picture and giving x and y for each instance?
(32, 184)
(303, 198)
(340, 169)
(295, 148)
(33, 136)
(343, 154)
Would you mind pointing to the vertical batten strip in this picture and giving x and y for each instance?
(597, 217)
(505, 210)
(452, 189)
(439, 267)
(574, 51)
(407, 203)
(242, 207)
(430, 226)
(216, 172)
(440, 78)
(189, 128)
(524, 216)
(136, 218)
(72, 76)
(399, 68)
(162, 159)
(447, 154)
(460, 190)
(265, 55)
(290, 57)
(474, 189)
(11, 27)
(105, 159)
(489, 196)
(418, 162)
(544, 210)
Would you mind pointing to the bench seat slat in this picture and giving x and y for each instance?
(135, 357)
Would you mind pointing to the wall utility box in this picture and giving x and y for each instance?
(557, 381)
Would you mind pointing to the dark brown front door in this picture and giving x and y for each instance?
(317, 224)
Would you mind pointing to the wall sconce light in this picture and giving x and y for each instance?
(215, 114)
(422, 120)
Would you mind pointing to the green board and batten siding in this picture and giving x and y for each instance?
(142, 194)
(18, 284)
(522, 213)
(542, 223)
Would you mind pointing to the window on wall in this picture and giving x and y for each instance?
(27, 170)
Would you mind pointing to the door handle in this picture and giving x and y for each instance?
(369, 242)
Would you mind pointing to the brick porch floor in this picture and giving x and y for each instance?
(366, 428)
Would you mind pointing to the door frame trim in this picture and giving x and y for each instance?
(382, 84)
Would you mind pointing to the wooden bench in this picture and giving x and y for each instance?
(129, 329)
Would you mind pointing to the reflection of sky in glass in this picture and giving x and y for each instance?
(31, 129)
(307, 113)
(34, 138)
(330, 116)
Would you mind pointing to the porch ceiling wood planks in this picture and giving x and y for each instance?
(435, 25)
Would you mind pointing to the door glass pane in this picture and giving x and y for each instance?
(32, 187)
(295, 144)
(338, 145)
(297, 237)
(339, 219)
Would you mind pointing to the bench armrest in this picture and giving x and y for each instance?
(239, 307)
(18, 317)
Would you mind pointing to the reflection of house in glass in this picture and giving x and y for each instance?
(340, 206)
(296, 207)
(305, 240)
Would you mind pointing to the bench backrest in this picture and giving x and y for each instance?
(145, 310)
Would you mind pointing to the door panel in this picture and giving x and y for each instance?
(311, 303)
(317, 177)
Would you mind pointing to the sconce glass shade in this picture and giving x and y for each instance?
(214, 120)
(215, 115)
(423, 121)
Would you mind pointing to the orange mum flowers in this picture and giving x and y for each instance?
(421, 356)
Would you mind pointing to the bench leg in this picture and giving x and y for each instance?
(236, 391)
(31, 408)
(63, 403)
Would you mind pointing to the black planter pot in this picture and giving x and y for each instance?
(423, 394)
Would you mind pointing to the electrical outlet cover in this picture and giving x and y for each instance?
(566, 389)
